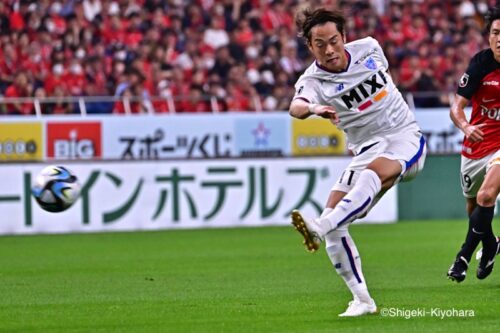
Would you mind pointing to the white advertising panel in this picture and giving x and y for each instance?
(441, 135)
(162, 137)
(118, 196)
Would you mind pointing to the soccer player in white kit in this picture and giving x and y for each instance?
(348, 83)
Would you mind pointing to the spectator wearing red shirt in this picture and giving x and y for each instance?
(411, 72)
(134, 33)
(142, 62)
(275, 16)
(114, 30)
(55, 79)
(20, 88)
(236, 98)
(60, 106)
(35, 65)
(95, 72)
(244, 34)
(159, 18)
(44, 39)
(56, 23)
(240, 92)
(22, 43)
(17, 21)
(8, 65)
(79, 13)
(161, 105)
(126, 105)
(395, 32)
(196, 101)
(75, 78)
(169, 40)
(416, 30)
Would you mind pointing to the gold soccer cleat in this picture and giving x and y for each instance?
(308, 229)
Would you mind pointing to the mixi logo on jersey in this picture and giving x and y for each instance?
(74, 140)
(367, 92)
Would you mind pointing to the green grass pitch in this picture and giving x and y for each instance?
(235, 280)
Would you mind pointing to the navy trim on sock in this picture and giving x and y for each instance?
(363, 206)
(351, 259)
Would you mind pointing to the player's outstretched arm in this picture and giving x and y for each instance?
(301, 109)
(457, 115)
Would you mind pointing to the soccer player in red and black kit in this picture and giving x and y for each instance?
(480, 167)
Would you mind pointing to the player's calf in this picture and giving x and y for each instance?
(479, 253)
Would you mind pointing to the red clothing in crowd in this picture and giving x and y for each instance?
(238, 101)
(194, 106)
(17, 21)
(53, 81)
(119, 108)
(272, 20)
(75, 83)
(14, 92)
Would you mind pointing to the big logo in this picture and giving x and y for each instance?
(73, 140)
(364, 90)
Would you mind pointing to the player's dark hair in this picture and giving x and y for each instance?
(308, 18)
(492, 15)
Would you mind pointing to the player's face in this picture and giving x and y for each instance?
(327, 46)
(494, 39)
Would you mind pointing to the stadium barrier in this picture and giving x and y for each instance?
(84, 105)
(228, 135)
(157, 137)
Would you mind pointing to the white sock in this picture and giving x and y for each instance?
(326, 211)
(354, 204)
(345, 258)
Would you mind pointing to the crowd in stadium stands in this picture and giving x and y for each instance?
(241, 52)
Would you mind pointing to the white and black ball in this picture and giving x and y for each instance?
(55, 188)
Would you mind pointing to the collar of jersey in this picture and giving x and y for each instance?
(343, 71)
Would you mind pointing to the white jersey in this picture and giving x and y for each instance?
(366, 100)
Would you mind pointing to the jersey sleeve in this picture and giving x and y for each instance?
(471, 79)
(380, 51)
(307, 89)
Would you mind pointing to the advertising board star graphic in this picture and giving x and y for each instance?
(261, 134)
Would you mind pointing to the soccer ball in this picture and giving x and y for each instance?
(55, 188)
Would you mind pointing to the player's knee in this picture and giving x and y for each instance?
(487, 196)
(388, 182)
(387, 177)
(387, 171)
